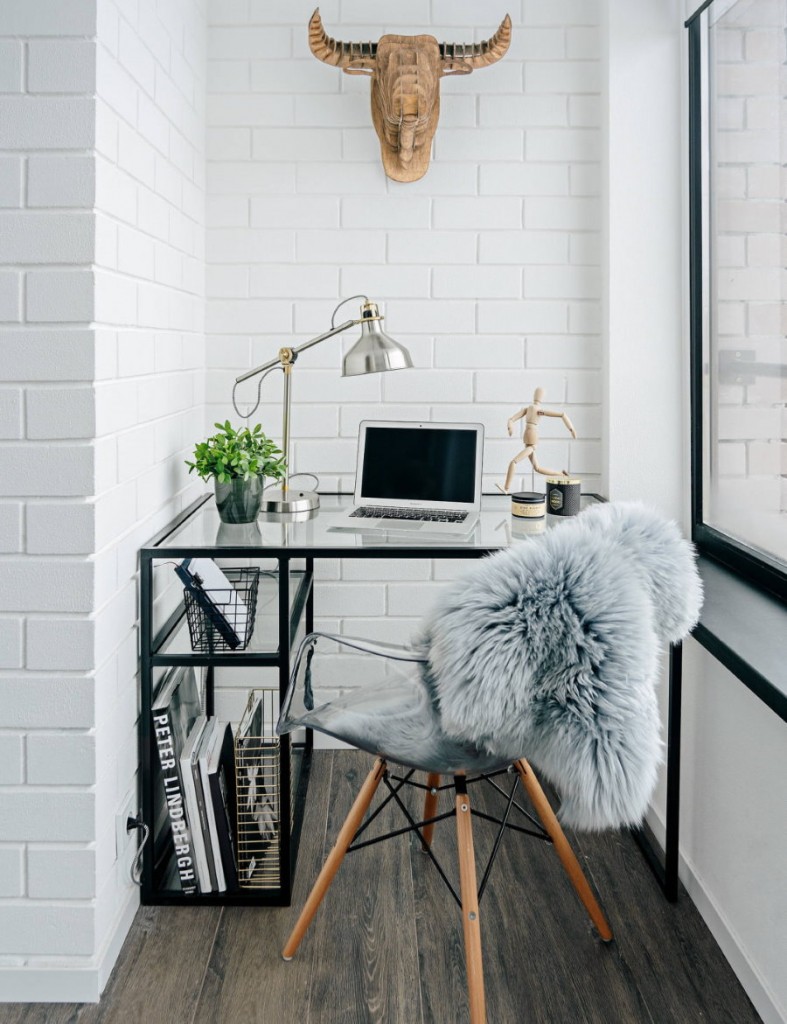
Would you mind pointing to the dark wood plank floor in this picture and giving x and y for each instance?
(386, 947)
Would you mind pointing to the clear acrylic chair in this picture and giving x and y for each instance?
(392, 716)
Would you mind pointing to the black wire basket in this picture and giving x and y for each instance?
(223, 620)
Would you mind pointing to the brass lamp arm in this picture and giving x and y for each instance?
(287, 356)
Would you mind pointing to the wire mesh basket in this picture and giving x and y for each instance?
(223, 620)
(257, 767)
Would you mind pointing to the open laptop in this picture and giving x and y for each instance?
(422, 477)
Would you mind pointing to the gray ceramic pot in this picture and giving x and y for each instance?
(239, 500)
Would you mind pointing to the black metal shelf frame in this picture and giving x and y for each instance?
(295, 606)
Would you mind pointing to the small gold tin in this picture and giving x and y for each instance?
(528, 505)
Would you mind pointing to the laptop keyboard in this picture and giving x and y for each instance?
(419, 514)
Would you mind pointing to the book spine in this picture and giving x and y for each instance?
(223, 814)
(221, 884)
(176, 806)
(203, 817)
(195, 833)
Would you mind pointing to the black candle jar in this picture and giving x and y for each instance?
(563, 496)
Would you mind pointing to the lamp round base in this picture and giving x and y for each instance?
(290, 501)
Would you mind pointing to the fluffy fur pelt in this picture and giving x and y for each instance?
(549, 650)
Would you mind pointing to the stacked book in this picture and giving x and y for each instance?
(196, 816)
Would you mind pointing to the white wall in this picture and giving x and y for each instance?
(644, 447)
(150, 251)
(734, 825)
(733, 750)
(102, 278)
(47, 411)
(487, 268)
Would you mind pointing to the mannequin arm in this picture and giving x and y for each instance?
(561, 416)
(512, 420)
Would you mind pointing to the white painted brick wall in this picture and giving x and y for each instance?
(101, 302)
(11, 861)
(149, 299)
(12, 767)
(47, 115)
(65, 759)
(60, 872)
(488, 268)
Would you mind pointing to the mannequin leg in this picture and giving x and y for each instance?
(542, 470)
(525, 454)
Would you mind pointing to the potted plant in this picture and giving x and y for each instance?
(239, 461)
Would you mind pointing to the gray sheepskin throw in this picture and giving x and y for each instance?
(549, 650)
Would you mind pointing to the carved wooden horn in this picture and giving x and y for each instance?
(355, 58)
(478, 55)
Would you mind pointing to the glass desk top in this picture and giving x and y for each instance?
(199, 530)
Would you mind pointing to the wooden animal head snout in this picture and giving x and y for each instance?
(405, 87)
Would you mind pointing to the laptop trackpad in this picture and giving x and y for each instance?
(401, 524)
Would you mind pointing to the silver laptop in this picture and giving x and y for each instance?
(417, 477)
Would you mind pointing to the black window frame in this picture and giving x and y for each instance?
(751, 564)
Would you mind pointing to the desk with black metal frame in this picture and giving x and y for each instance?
(197, 532)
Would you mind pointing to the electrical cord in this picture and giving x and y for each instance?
(295, 476)
(136, 865)
(348, 299)
(255, 407)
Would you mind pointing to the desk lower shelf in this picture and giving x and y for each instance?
(284, 611)
(276, 896)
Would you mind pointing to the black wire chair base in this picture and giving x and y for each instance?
(459, 785)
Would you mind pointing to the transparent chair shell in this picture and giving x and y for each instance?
(373, 696)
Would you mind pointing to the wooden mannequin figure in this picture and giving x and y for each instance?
(530, 415)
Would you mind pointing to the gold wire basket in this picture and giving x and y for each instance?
(257, 767)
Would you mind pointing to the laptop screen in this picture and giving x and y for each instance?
(412, 464)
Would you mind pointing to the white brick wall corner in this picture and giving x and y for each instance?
(102, 112)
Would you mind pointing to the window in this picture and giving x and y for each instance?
(738, 151)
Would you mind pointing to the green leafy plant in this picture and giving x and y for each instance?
(237, 454)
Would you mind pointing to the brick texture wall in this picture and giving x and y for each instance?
(47, 417)
(487, 268)
(149, 294)
(101, 305)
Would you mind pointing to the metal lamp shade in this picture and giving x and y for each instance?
(374, 352)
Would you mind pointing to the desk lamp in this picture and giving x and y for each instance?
(374, 352)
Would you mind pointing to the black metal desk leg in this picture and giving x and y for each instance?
(667, 873)
(671, 851)
(285, 791)
(146, 690)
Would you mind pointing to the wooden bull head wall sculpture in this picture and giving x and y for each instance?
(406, 73)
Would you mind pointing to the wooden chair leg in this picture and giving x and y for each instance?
(430, 807)
(563, 849)
(335, 857)
(471, 923)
